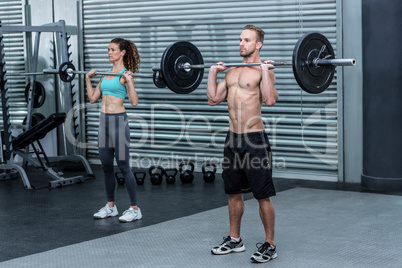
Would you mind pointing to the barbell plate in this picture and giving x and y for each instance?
(158, 80)
(36, 118)
(312, 79)
(177, 78)
(39, 95)
(64, 76)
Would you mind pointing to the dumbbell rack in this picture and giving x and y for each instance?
(6, 151)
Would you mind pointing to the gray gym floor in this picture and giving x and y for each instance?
(317, 225)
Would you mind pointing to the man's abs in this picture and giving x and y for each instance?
(244, 110)
(244, 99)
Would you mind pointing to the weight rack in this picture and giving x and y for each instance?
(7, 153)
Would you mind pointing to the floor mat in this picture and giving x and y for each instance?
(314, 228)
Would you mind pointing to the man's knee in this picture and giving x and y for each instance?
(236, 197)
(265, 201)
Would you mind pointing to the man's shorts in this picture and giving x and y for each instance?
(247, 164)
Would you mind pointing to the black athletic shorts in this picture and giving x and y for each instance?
(247, 164)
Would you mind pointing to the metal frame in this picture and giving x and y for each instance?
(340, 94)
(59, 29)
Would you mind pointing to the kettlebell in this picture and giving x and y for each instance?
(156, 178)
(209, 176)
(171, 178)
(186, 175)
(119, 178)
(140, 177)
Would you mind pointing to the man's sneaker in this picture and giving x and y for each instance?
(106, 212)
(228, 246)
(131, 215)
(265, 253)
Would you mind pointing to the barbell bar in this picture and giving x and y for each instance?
(67, 72)
(313, 63)
(317, 62)
(116, 74)
(25, 74)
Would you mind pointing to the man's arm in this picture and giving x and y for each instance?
(216, 92)
(268, 90)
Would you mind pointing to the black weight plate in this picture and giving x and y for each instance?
(178, 79)
(158, 80)
(63, 72)
(39, 95)
(310, 78)
(36, 118)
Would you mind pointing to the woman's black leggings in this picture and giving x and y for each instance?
(114, 142)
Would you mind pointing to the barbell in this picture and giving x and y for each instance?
(182, 66)
(313, 62)
(67, 72)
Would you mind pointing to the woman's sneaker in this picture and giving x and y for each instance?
(228, 246)
(106, 212)
(265, 253)
(131, 215)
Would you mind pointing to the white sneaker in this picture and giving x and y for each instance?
(227, 246)
(131, 215)
(106, 212)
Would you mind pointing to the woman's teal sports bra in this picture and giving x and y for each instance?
(113, 86)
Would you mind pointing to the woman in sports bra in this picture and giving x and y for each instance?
(114, 132)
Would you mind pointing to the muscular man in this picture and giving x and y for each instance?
(247, 164)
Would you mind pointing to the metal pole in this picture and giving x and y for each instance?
(116, 74)
(25, 74)
(201, 66)
(316, 62)
(50, 71)
(335, 62)
(70, 72)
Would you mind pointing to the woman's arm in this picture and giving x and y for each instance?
(93, 94)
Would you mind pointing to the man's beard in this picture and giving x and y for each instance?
(246, 54)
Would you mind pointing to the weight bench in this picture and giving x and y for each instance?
(32, 136)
